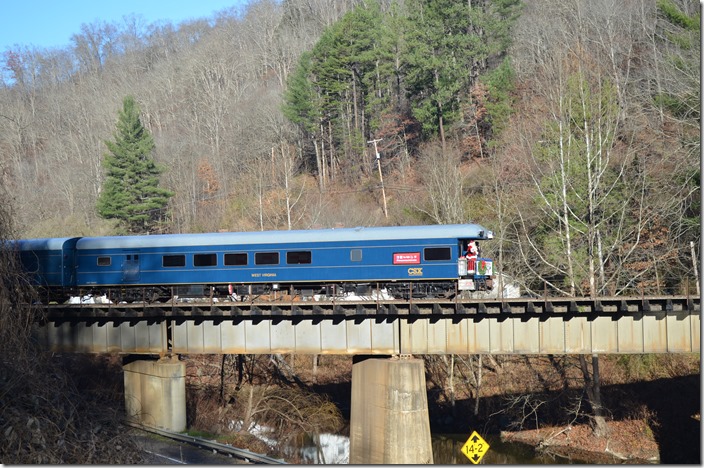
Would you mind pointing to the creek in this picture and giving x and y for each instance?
(447, 450)
(334, 449)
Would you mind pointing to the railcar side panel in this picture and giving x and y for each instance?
(49, 262)
(379, 260)
(304, 259)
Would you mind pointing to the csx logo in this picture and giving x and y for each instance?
(415, 272)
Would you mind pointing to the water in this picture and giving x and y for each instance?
(447, 450)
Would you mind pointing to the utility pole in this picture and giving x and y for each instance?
(694, 264)
(381, 178)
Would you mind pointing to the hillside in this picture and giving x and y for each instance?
(571, 130)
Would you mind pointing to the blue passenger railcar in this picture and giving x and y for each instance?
(424, 261)
(49, 262)
(282, 259)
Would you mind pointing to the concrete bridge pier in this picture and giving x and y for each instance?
(389, 420)
(155, 393)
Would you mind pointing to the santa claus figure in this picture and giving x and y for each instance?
(472, 250)
(471, 255)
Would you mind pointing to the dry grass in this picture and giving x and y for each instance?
(45, 417)
(271, 394)
(627, 441)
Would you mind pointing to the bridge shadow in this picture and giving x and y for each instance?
(673, 403)
(669, 404)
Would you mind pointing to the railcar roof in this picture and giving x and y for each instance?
(459, 231)
(52, 243)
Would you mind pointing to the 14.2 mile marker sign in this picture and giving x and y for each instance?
(475, 448)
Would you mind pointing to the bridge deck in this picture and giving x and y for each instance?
(205, 308)
(658, 324)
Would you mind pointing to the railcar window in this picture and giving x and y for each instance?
(266, 258)
(174, 260)
(236, 259)
(297, 258)
(437, 253)
(204, 260)
(356, 255)
(104, 261)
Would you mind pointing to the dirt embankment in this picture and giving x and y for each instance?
(628, 441)
(667, 428)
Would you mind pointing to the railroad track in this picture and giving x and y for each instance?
(241, 454)
(614, 306)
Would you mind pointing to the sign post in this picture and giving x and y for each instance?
(475, 448)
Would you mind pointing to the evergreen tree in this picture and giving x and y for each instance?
(299, 102)
(131, 191)
(420, 57)
(337, 87)
(439, 56)
(449, 44)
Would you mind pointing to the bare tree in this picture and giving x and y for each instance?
(287, 166)
(592, 386)
(591, 201)
(444, 183)
(94, 45)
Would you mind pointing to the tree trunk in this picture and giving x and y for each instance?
(249, 411)
(315, 367)
(452, 385)
(565, 211)
(319, 164)
(440, 119)
(694, 266)
(240, 371)
(222, 380)
(479, 384)
(592, 387)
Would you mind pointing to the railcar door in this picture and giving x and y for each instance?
(68, 263)
(130, 268)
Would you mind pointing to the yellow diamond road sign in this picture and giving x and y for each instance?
(475, 448)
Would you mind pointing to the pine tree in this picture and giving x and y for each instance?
(131, 191)
(449, 45)
(299, 102)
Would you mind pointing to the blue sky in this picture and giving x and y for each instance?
(51, 23)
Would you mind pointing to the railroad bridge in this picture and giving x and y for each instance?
(389, 416)
(656, 324)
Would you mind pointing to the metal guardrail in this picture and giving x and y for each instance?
(211, 445)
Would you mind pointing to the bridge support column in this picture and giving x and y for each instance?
(155, 393)
(389, 420)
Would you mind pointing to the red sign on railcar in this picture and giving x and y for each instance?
(407, 258)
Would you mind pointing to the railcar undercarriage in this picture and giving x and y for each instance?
(260, 292)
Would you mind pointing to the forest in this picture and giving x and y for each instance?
(570, 129)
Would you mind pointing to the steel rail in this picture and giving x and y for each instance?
(257, 310)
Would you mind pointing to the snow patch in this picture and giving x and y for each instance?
(89, 299)
(331, 449)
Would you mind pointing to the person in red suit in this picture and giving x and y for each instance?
(471, 255)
